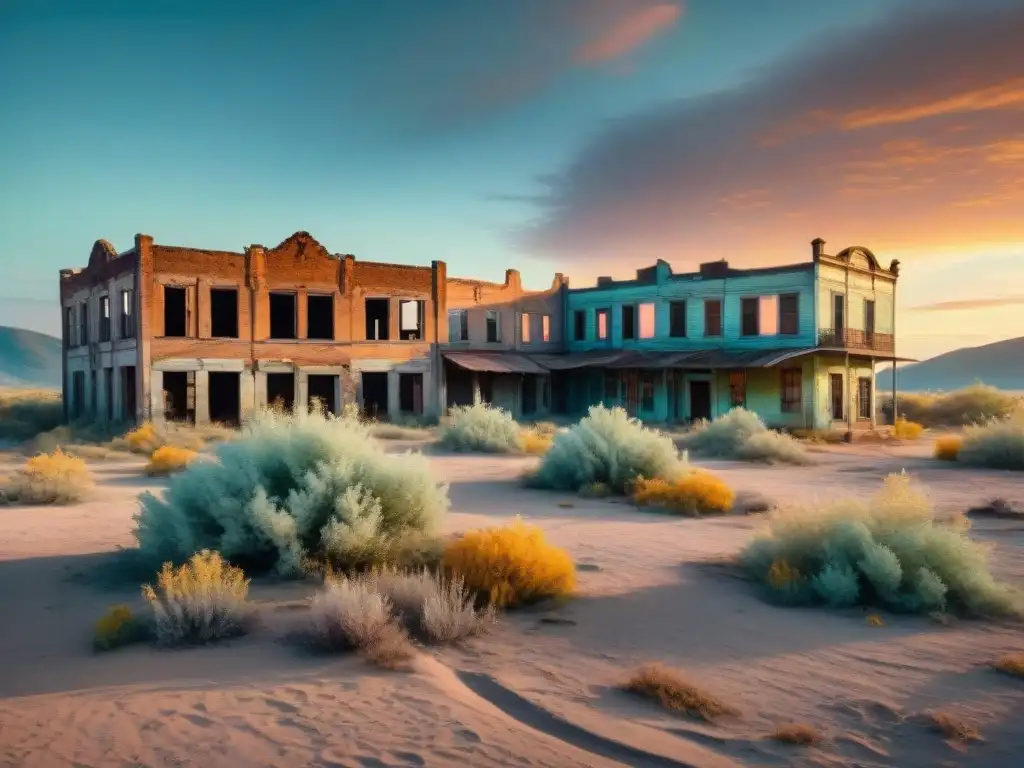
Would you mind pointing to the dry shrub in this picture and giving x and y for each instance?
(25, 413)
(351, 615)
(800, 734)
(512, 565)
(907, 430)
(1011, 664)
(741, 435)
(118, 627)
(959, 408)
(698, 493)
(167, 459)
(948, 448)
(874, 620)
(202, 601)
(996, 444)
(672, 691)
(49, 478)
(147, 437)
(482, 428)
(890, 552)
(953, 727)
(535, 443)
(96, 452)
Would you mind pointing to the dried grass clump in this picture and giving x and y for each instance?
(25, 413)
(970, 405)
(511, 565)
(907, 430)
(953, 727)
(610, 449)
(890, 552)
(168, 459)
(800, 734)
(996, 444)
(947, 448)
(147, 437)
(294, 487)
(49, 478)
(741, 435)
(202, 601)
(698, 493)
(1011, 664)
(535, 443)
(480, 428)
(672, 691)
(117, 627)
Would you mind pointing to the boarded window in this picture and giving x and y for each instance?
(789, 314)
(493, 326)
(792, 390)
(579, 321)
(458, 325)
(751, 318)
(768, 315)
(677, 319)
(647, 322)
(545, 328)
(524, 327)
(737, 389)
(712, 317)
(628, 321)
(602, 324)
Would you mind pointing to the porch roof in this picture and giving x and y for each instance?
(494, 362)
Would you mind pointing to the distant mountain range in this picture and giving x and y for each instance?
(29, 359)
(1000, 364)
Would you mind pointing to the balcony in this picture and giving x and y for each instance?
(854, 339)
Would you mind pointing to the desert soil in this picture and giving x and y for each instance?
(541, 689)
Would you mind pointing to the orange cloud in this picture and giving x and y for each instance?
(627, 33)
(949, 306)
(1008, 95)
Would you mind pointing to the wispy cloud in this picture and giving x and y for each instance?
(627, 32)
(953, 306)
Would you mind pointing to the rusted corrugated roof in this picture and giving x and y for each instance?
(494, 362)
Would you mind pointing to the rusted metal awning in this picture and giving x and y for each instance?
(494, 362)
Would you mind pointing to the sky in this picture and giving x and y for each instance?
(587, 137)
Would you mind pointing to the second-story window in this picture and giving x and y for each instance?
(127, 313)
(677, 319)
(628, 321)
(579, 325)
(524, 327)
(104, 318)
(224, 313)
(789, 314)
(751, 316)
(175, 311)
(545, 328)
(493, 321)
(283, 317)
(69, 326)
(83, 323)
(458, 325)
(377, 319)
(839, 314)
(601, 316)
(712, 317)
(412, 317)
(646, 321)
(869, 318)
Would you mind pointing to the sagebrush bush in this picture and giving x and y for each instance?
(889, 552)
(959, 408)
(610, 448)
(511, 565)
(202, 601)
(907, 430)
(49, 478)
(117, 627)
(698, 493)
(741, 435)
(169, 458)
(996, 444)
(947, 448)
(147, 437)
(294, 487)
(672, 691)
(481, 427)
(25, 413)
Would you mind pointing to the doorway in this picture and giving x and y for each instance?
(375, 394)
(322, 388)
(835, 386)
(128, 412)
(529, 403)
(225, 397)
(180, 396)
(281, 391)
(410, 393)
(700, 400)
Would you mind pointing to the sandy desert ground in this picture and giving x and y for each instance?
(540, 690)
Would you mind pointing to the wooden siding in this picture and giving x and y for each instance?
(832, 281)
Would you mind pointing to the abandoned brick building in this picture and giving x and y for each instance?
(187, 334)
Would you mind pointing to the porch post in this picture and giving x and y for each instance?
(874, 399)
(849, 399)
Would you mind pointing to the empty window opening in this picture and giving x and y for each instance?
(375, 394)
(602, 324)
(180, 396)
(224, 313)
(768, 315)
(579, 320)
(410, 393)
(677, 319)
(69, 326)
(104, 318)
(128, 412)
(646, 321)
(458, 325)
(128, 313)
(412, 320)
(524, 327)
(225, 397)
(545, 328)
(282, 316)
(629, 322)
(320, 317)
(83, 324)
(175, 311)
(377, 319)
(751, 319)
(281, 391)
(323, 390)
(493, 326)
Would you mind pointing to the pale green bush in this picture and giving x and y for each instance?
(609, 448)
(293, 487)
(997, 444)
(481, 427)
(889, 552)
(742, 435)
(961, 407)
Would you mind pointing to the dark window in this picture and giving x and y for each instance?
(69, 326)
(493, 326)
(104, 318)
(677, 319)
(377, 317)
(83, 323)
(647, 392)
(864, 398)
(869, 318)
(737, 389)
(579, 325)
(175, 311)
(281, 391)
(838, 314)
(792, 390)
(283, 319)
(751, 323)
(411, 320)
(611, 389)
(601, 317)
(128, 318)
(628, 321)
(458, 325)
(712, 317)
(320, 316)
(789, 314)
(224, 313)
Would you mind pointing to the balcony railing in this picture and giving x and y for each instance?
(853, 338)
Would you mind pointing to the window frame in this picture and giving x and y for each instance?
(492, 319)
(864, 404)
(717, 303)
(629, 311)
(787, 386)
(795, 314)
(673, 306)
(579, 324)
(606, 311)
(744, 304)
